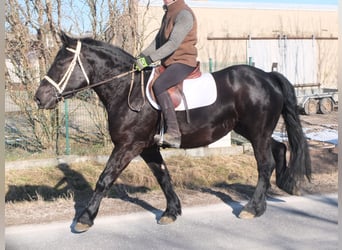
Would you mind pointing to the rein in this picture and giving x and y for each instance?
(142, 92)
(64, 81)
(71, 92)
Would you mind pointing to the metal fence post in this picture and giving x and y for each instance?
(210, 65)
(67, 142)
(250, 61)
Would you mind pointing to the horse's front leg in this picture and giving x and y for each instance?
(118, 161)
(155, 161)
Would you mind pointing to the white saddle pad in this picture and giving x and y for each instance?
(199, 92)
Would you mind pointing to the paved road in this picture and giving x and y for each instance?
(289, 223)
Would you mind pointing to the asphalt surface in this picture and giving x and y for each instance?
(308, 222)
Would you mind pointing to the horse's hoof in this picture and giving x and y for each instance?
(165, 220)
(246, 215)
(297, 191)
(80, 227)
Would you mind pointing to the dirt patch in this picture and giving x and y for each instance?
(235, 185)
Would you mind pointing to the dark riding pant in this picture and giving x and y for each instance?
(172, 75)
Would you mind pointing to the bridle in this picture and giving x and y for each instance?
(65, 79)
(60, 86)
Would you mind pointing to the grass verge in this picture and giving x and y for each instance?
(64, 181)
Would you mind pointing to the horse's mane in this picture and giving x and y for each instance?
(107, 47)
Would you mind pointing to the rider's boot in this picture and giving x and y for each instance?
(172, 137)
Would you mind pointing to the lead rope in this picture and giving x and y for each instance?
(142, 92)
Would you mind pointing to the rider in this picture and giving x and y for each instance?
(175, 47)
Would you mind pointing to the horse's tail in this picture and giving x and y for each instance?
(299, 162)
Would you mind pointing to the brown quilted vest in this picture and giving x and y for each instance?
(187, 52)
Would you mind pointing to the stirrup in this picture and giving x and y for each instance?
(161, 142)
(159, 139)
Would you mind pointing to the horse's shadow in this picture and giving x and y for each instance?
(243, 191)
(236, 206)
(124, 192)
(71, 185)
(74, 185)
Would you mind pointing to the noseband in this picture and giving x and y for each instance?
(65, 79)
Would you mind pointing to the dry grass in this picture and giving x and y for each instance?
(63, 181)
(77, 181)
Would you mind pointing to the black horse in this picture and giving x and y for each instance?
(250, 102)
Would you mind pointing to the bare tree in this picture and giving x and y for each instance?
(32, 28)
(122, 24)
(29, 49)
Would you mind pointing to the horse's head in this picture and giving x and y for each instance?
(67, 72)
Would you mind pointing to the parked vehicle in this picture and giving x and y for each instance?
(313, 99)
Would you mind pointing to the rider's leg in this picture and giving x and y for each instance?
(172, 137)
(172, 75)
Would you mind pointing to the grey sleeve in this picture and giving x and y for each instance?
(183, 24)
(150, 49)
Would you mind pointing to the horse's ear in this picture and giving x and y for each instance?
(66, 40)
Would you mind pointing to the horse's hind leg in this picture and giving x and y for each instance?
(282, 171)
(155, 161)
(265, 163)
(279, 154)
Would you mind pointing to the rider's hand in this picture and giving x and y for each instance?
(142, 62)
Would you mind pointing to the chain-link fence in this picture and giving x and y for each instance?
(81, 128)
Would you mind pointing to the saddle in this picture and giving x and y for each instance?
(175, 92)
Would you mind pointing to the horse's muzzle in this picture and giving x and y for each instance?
(45, 99)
